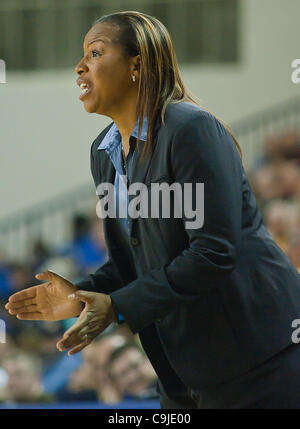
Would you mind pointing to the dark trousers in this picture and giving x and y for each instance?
(275, 384)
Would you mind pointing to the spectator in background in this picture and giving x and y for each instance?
(265, 184)
(107, 390)
(132, 372)
(280, 219)
(289, 178)
(97, 236)
(7, 348)
(40, 253)
(276, 181)
(32, 358)
(92, 379)
(21, 276)
(277, 174)
(14, 277)
(87, 248)
(6, 286)
(57, 368)
(293, 250)
(280, 147)
(81, 384)
(23, 379)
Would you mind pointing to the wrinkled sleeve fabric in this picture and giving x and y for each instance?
(202, 151)
(103, 280)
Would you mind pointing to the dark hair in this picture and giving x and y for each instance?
(120, 350)
(160, 80)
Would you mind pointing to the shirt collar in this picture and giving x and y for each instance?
(113, 134)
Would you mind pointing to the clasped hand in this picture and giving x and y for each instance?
(58, 299)
(96, 316)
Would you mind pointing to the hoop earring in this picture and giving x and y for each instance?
(133, 78)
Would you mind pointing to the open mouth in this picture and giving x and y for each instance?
(85, 90)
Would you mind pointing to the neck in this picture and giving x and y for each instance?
(126, 119)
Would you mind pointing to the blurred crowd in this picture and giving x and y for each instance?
(109, 370)
(114, 367)
(275, 180)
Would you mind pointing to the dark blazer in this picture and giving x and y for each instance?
(208, 303)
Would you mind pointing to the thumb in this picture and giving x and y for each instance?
(46, 275)
(82, 295)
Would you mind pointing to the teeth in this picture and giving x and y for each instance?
(84, 88)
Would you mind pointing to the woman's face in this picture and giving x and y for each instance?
(106, 72)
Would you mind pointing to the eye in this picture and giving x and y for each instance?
(95, 52)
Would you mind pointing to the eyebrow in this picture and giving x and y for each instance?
(95, 40)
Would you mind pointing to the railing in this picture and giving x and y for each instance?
(252, 131)
(50, 221)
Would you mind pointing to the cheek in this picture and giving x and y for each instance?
(111, 79)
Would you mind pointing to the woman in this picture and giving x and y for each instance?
(213, 301)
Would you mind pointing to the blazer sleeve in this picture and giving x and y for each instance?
(202, 151)
(106, 278)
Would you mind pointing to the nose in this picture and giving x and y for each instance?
(81, 67)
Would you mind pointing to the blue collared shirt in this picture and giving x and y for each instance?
(112, 144)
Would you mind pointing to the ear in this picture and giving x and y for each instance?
(136, 64)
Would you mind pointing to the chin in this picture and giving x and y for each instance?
(89, 108)
(93, 108)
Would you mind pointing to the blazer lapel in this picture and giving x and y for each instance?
(108, 171)
(140, 167)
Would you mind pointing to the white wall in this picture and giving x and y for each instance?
(45, 133)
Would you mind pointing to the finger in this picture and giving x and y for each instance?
(30, 316)
(90, 329)
(74, 329)
(78, 348)
(75, 337)
(50, 276)
(68, 341)
(46, 275)
(27, 309)
(23, 294)
(19, 304)
(84, 331)
(77, 333)
(64, 345)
